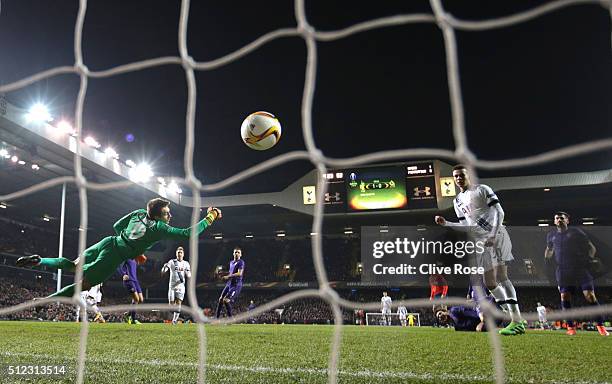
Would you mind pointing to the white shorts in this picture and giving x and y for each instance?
(542, 319)
(177, 292)
(497, 255)
(402, 317)
(386, 311)
(88, 300)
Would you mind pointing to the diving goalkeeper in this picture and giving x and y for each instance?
(135, 233)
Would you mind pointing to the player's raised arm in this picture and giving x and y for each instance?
(175, 233)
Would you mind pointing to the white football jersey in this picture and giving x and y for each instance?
(474, 208)
(95, 292)
(385, 301)
(402, 311)
(179, 270)
(541, 310)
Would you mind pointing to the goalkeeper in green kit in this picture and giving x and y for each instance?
(135, 233)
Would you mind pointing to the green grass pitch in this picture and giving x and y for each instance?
(161, 353)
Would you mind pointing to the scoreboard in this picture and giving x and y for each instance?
(381, 188)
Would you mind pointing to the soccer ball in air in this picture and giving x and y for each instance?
(260, 130)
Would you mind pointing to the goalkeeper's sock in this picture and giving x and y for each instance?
(57, 263)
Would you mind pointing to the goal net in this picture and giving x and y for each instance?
(438, 18)
(377, 318)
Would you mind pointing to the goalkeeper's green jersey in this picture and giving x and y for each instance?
(137, 233)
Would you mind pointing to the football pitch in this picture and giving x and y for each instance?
(161, 353)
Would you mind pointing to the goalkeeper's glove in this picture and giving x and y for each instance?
(212, 214)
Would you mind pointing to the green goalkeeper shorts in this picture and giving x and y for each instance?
(102, 259)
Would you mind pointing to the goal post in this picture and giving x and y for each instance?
(377, 318)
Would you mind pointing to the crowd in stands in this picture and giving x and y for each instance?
(302, 311)
(15, 291)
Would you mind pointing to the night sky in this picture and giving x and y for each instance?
(528, 88)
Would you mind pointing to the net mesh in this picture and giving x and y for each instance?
(447, 24)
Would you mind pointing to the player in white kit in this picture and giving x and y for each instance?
(92, 297)
(179, 270)
(402, 312)
(385, 303)
(481, 215)
(541, 315)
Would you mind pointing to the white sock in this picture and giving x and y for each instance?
(175, 316)
(515, 312)
(499, 294)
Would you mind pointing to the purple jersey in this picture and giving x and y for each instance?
(570, 247)
(464, 318)
(235, 266)
(128, 267)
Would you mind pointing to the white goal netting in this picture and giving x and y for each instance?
(440, 17)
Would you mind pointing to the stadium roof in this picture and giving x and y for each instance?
(53, 157)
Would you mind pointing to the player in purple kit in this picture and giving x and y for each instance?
(234, 284)
(127, 270)
(462, 318)
(572, 250)
(465, 318)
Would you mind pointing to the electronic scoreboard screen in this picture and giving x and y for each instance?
(383, 188)
(375, 188)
